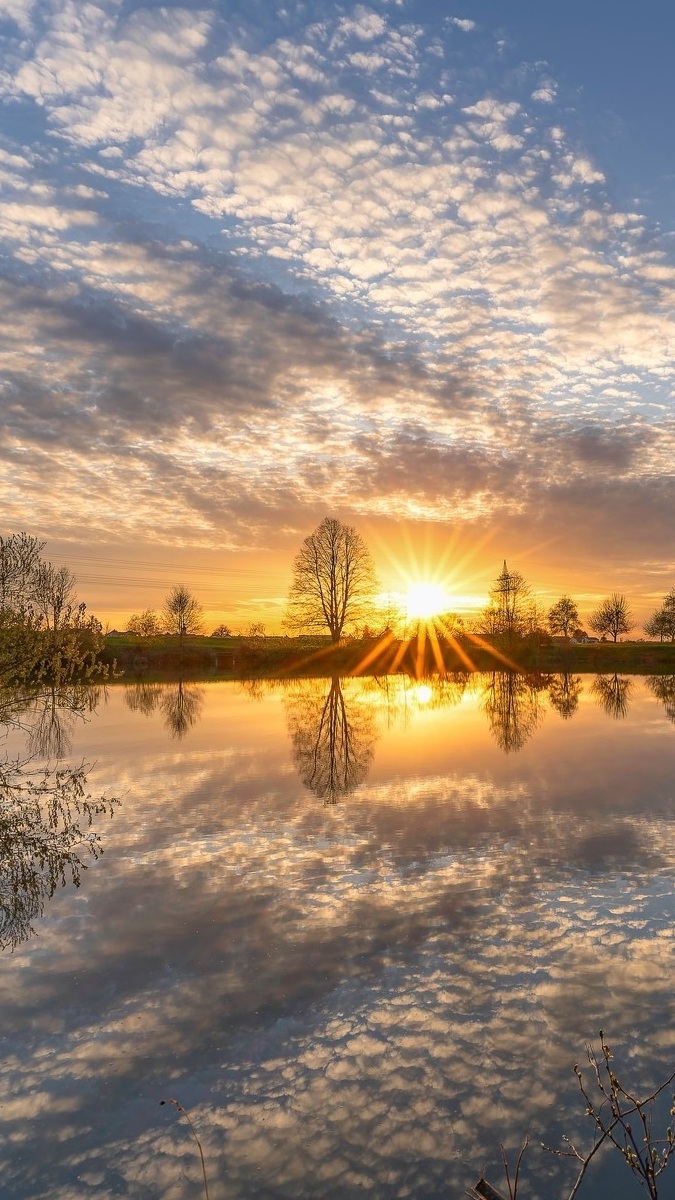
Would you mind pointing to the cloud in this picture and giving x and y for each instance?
(546, 94)
(364, 24)
(463, 23)
(477, 317)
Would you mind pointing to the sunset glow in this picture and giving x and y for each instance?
(426, 600)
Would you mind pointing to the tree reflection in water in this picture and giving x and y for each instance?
(563, 692)
(613, 693)
(54, 715)
(45, 814)
(333, 737)
(512, 705)
(663, 688)
(179, 703)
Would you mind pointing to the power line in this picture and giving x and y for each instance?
(173, 569)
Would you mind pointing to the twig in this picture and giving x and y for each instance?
(186, 1114)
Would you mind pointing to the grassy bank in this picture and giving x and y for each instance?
(238, 657)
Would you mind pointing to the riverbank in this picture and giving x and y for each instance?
(240, 657)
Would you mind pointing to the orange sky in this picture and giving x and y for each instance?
(242, 587)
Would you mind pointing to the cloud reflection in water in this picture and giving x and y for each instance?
(369, 994)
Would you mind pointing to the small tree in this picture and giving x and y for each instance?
(612, 617)
(145, 624)
(222, 631)
(661, 624)
(333, 580)
(182, 613)
(563, 617)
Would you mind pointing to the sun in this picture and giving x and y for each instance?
(425, 601)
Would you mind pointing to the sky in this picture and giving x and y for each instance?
(409, 264)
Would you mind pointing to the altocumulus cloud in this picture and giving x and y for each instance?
(344, 259)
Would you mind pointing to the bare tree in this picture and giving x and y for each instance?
(333, 580)
(19, 558)
(613, 616)
(333, 744)
(54, 594)
(513, 708)
(563, 692)
(143, 697)
(663, 687)
(613, 693)
(563, 617)
(181, 705)
(661, 624)
(145, 624)
(509, 612)
(182, 612)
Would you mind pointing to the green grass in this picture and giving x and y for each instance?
(242, 657)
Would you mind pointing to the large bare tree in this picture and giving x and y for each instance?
(333, 739)
(333, 580)
(613, 616)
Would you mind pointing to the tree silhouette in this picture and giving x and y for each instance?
(613, 616)
(179, 703)
(563, 617)
(144, 624)
(563, 692)
(510, 611)
(143, 697)
(333, 743)
(54, 594)
(182, 613)
(19, 559)
(333, 580)
(663, 687)
(613, 693)
(661, 624)
(54, 712)
(512, 706)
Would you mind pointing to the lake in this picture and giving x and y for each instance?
(361, 930)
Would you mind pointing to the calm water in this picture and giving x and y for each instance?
(360, 931)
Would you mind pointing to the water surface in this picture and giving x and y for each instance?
(360, 929)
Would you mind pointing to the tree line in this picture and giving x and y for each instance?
(333, 591)
(334, 584)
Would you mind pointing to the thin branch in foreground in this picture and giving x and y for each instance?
(612, 1109)
(186, 1114)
